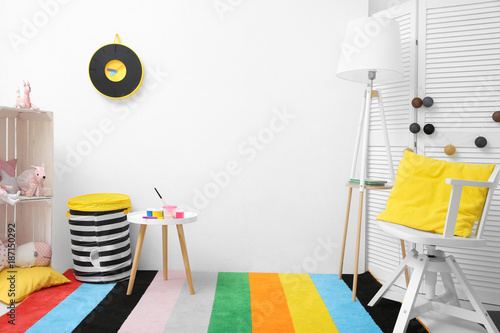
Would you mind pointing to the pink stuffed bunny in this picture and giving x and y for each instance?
(19, 100)
(9, 198)
(25, 102)
(30, 181)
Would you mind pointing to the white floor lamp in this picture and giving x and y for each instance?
(371, 52)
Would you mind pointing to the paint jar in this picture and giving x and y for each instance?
(179, 214)
(158, 214)
(169, 211)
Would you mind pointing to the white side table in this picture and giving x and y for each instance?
(137, 218)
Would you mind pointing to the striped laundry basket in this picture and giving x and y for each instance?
(100, 237)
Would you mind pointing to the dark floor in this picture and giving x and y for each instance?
(386, 311)
(495, 316)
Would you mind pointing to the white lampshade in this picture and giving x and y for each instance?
(371, 44)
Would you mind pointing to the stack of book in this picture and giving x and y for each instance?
(369, 182)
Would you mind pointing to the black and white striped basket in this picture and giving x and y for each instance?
(100, 245)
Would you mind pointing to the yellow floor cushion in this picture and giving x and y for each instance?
(18, 283)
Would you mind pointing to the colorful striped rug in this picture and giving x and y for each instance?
(223, 303)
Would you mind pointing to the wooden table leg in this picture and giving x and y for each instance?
(182, 241)
(358, 241)
(164, 231)
(345, 232)
(138, 248)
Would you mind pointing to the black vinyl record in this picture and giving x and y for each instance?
(119, 54)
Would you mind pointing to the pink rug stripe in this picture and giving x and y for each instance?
(153, 310)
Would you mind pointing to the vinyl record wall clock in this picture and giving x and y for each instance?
(115, 70)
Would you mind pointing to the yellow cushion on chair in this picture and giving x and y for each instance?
(420, 196)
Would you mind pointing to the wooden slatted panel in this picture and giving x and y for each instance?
(11, 138)
(24, 156)
(459, 67)
(49, 160)
(45, 233)
(28, 136)
(3, 136)
(3, 156)
(35, 217)
(7, 152)
(41, 130)
(35, 146)
(34, 143)
(462, 64)
(22, 145)
(11, 154)
(460, 70)
(21, 224)
(396, 95)
(382, 252)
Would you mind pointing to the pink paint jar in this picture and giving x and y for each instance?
(170, 211)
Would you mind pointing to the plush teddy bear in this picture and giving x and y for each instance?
(30, 181)
(7, 197)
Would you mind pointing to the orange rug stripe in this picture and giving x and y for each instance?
(270, 313)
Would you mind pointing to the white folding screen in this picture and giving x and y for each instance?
(382, 251)
(458, 65)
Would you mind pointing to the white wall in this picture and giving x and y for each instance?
(215, 80)
(375, 6)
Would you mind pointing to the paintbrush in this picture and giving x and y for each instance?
(163, 202)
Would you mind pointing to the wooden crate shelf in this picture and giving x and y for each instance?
(28, 136)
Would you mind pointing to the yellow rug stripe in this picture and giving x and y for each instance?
(308, 311)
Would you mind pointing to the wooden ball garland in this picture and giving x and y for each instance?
(416, 102)
(415, 128)
(480, 142)
(496, 116)
(449, 150)
(429, 129)
(428, 102)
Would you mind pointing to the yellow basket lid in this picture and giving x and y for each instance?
(100, 202)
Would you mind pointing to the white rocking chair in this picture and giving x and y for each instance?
(427, 265)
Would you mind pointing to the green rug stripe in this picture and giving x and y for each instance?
(231, 311)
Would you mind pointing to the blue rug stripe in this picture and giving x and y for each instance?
(72, 310)
(348, 316)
